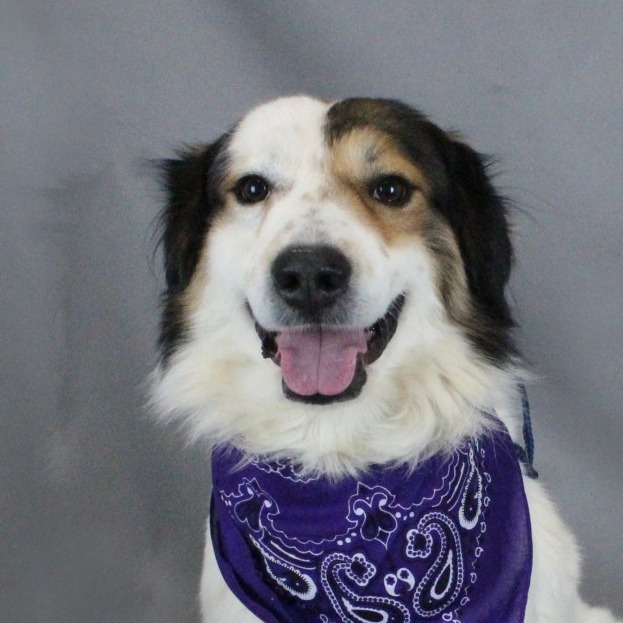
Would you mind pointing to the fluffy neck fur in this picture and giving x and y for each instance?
(434, 397)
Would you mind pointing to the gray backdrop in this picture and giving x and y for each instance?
(101, 513)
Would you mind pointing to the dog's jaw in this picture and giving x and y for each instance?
(422, 395)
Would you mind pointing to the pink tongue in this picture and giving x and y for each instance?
(320, 361)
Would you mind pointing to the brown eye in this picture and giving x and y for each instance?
(392, 190)
(251, 189)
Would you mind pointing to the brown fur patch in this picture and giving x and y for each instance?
(365, 154)
(451, 279)
(191, 298)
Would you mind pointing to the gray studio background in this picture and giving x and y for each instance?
(101, 512)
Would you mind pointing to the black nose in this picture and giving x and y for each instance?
(310, 278)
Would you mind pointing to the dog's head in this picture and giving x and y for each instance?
(331, 267)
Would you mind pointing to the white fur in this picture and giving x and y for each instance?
(424, 394)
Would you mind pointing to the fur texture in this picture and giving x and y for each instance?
(358, 219)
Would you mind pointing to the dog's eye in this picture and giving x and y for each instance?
(392, 190)
(251, 189)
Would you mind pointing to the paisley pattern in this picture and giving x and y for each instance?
(449, 542)
(350, 605)
(369, 508)
(444, 579)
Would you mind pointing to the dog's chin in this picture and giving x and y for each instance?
(363, 347)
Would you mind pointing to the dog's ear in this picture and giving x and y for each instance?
(190, 182)
(478, 217)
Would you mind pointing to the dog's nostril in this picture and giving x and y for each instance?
(288, 281)
(329, 280)
(311, 277)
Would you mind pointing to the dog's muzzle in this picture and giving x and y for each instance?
(322, 359)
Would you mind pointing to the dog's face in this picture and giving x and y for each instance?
(332, 270)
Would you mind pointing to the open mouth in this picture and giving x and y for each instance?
(320, 365)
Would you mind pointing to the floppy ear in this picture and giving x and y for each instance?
(190, 182)
(477, 215)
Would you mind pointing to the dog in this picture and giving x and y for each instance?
(335, 327)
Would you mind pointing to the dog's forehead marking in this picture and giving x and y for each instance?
(361, 156)
(280, 137)
(365, 152)
(315, 169)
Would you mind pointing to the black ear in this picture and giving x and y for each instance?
(478, 217)
(191, 183)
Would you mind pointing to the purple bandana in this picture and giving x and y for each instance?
(448, 543)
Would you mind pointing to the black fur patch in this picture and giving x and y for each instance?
(464, 198)
(191, 182)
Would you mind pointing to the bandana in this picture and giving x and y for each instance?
(447, 543)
